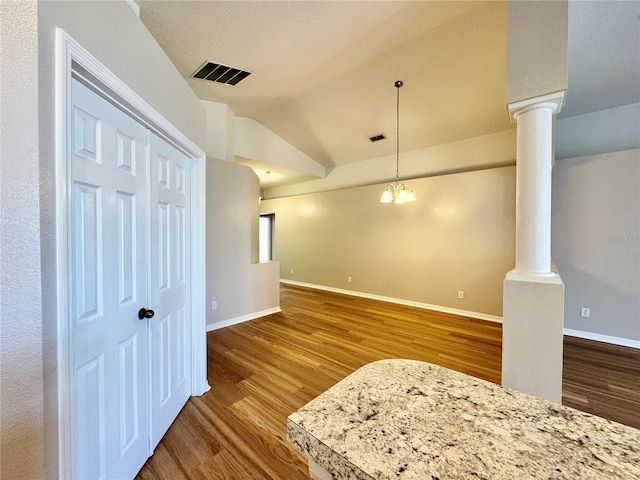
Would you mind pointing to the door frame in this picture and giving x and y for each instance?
(72, 60)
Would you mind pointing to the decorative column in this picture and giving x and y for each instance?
(534, 155)
(533, 295)
(533, 302)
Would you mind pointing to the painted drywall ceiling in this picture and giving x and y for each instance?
(272, 175)
(323, 71)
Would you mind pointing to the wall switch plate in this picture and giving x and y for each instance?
(585, 312)
(460, 293)
(214, 305)
(292, 270)
(349, 279)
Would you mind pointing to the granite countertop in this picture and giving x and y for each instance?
(404, 419)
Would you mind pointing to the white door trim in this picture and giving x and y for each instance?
(73, 59)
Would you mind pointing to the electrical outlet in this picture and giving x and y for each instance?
(460, 293)
(214, 305)
(349, 279)
(292, 270)
(585, 312)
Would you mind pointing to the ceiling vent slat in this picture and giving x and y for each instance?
(206, 69)
(219, 73)
(232, 72)
(238, 78)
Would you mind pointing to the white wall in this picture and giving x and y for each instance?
(536, 49)
(220, 130)
(256, 142)
(533, 310)
(111, 32)
(596, 241)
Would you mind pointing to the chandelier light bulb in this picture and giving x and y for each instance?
(387, 196)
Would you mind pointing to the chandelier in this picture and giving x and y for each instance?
(397, 192)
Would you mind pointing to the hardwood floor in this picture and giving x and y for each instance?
(263, 370)
(602, 379)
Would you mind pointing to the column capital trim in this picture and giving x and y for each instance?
(554, 100)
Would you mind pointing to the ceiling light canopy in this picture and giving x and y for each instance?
(397, 192)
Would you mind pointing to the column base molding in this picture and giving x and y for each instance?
(532, 339)
(550, 277)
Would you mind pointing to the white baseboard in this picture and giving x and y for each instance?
(242, 318)
(623, 342)
(399, 301)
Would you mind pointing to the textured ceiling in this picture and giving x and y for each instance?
(323, 71)
(604, 56)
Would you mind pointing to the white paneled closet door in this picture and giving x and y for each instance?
(130, 256)
(169, 285)
(109, 286)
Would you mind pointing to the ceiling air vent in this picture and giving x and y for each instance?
(377, 137)
(219, 73)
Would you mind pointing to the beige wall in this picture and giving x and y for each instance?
(21, 356)
(239, 284)
(112, 33)
(459, 235)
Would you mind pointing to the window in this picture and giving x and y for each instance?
(267, 222)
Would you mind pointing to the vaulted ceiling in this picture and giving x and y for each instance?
(323, 71)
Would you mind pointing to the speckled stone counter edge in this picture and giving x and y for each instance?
(322, 454)
(339, 466)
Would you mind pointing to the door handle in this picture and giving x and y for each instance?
(144, 313)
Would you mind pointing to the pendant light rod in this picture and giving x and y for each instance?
(398, 192)
(398, 84)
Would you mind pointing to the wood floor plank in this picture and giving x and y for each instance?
(602, 379)
(263, 370)
(162, 466)
(224, 466)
